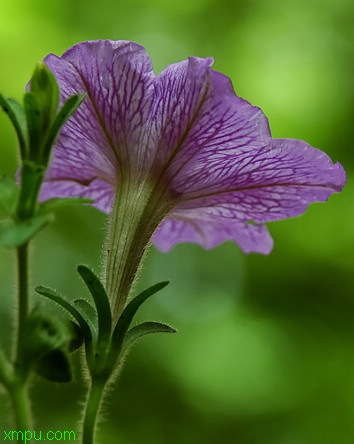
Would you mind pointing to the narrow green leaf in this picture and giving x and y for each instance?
(14, 233)
(144, 329)
(89, 314)
(127, 317)
(9, 193)
(101, 301)
(35, 124)
(54, 296)
(69, 107)
(57, 202)
(17, 115)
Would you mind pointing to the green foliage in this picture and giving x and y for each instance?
(127, 316)
(104, 350)
(37, 124)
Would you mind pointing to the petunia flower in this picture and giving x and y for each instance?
(176, 157)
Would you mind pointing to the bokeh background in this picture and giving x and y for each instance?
(265, 349)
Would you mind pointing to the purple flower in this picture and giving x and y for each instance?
(186, 129)
(178, 156)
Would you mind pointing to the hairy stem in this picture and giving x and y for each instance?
(92, 410)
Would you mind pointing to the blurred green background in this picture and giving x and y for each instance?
(265, 349)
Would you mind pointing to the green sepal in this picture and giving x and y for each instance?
(126, 318)
(89, 314)
(17, 115)
(46, 90)
(9, 193)
(58, 202)
(102, 305)
(34, 118)
(14, 233)
(55, 366)
(69, 107)
(143, 329)
(85, 328)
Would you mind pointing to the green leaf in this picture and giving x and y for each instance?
(127, 317)
(102, 304)
(69, 107)
(9, 193)
(17, 115)
(55, 366)
(35, 124)
(58, 202)
(52, 295)
(16, 233)
(144, 329)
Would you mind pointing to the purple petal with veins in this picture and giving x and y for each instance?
(209, 231)
(186, 131)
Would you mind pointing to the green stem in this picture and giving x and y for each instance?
(17, 387)
(20, 401)
(92, 410)
(22, 268)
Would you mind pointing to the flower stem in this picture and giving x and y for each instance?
(17, 387)
(20, 401)
(22, 268)
(92, 410)
(135, 216)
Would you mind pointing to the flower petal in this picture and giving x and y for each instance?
(209, 232)
(108, 132)
(275, 183)
(179, 93)
(206, 125)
